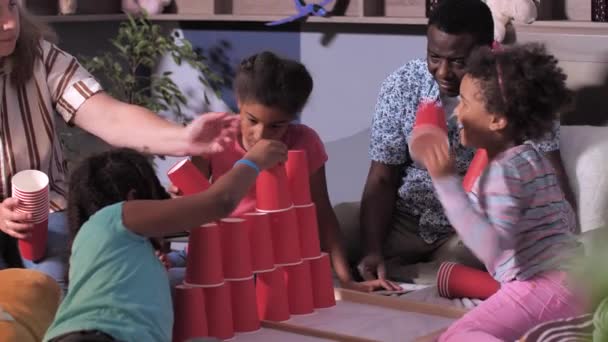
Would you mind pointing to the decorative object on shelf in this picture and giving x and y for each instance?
(599, 10)
(126, 72)
(304, 10)
(150, 7)
(430, 6)
(67, 6)
(506, 11)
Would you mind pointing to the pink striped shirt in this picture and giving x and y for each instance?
(515, 219)
(27, 118)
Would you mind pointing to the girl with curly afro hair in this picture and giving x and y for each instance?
(515, 218)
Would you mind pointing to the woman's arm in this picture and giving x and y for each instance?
(153, 218)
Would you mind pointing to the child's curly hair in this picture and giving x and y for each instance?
(107, 178)
(524, 83)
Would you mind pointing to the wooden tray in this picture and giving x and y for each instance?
(360, 317)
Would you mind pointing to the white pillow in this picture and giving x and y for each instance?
(584, 152)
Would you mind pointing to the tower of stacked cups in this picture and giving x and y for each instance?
(262, 265)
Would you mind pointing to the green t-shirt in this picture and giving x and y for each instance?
(117, 284)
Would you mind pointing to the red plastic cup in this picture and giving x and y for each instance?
(298, 177)
(299, 288)
(190, 317)
(30, 182)
(34, 247)
(204, 259)
(430, 113)
(308, 229)
(244, 305)
(322, 285)
(260, 239)
(285, 239)
(271, 295)
(272, 190)
(236, 251)
(459, 281)
(478, 164)
(188, 178)
(219, 311)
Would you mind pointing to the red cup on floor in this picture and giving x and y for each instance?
(308, 229)
(219, 311)
(236, 252)
(244, 305)
(298, 177)
(272, 190)
(478, 164)
(285, 236)
(299, 288)
(34, 247)
(188, 178)
(271, 295)
(459, 281)
(204, 259)
(322, 284)
(190, 317)
(260, 240)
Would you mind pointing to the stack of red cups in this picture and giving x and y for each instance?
(31, 188)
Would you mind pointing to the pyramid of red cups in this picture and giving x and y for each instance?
(263, 265)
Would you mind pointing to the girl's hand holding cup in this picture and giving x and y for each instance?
(267, 153)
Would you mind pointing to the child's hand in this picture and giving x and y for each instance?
(438, 159)
(163, 259)
(174, 191)
(267, 153)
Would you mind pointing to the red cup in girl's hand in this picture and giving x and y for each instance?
(430, 128)
(298, 177)
(478, 164)
(459, 281)
(188, 178)
(190, 316)
(272, 189)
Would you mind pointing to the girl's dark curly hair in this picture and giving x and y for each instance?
(524, 83)
(107, 178)
(272, 81)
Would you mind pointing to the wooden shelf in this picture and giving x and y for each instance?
(550, 26)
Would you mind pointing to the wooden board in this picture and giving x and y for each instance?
(360, 317)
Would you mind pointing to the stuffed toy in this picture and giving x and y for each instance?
(28, 302)
(505, 11)
(151, 7)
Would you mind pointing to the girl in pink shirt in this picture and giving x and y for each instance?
(270, 92)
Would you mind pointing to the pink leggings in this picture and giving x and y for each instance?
(516, 308)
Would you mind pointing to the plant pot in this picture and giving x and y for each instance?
(42, 7)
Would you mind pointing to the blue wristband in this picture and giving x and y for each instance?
(248, 163)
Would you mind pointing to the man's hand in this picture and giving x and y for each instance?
(372, 267)
(211, 133)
